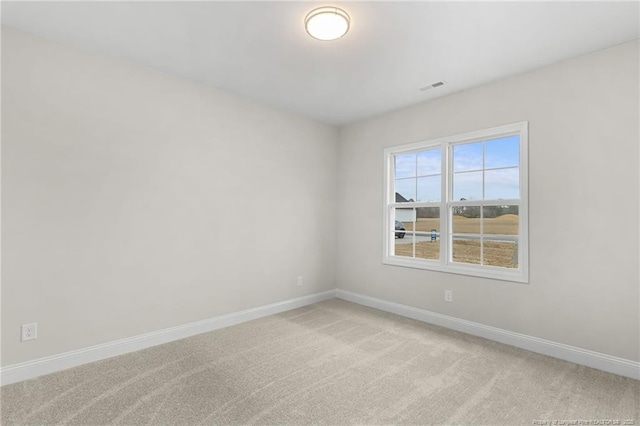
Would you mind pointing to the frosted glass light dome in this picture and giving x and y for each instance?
(327, 23)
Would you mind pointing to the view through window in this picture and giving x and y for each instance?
(458, 204)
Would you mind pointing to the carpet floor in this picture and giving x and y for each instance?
(333, 363)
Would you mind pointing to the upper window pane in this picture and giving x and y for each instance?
(502, 184)
(467, 156)
(502, 152)
(467, 186)
(405, 190)
(429, 162)
(405, 165)
(429, 189)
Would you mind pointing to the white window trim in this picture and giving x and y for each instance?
(521, 274)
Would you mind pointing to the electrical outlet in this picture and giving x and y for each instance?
(29, 332)
(448, 296)
(299, 282)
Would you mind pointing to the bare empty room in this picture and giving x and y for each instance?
(338, 213)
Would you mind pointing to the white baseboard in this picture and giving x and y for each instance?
(28, 370)
(611, 364)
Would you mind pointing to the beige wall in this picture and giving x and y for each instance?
(583, 165)
(134, 201)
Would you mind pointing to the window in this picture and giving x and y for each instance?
(459, 204)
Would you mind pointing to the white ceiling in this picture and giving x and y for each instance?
(261, 50)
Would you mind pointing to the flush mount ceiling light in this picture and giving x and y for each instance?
(327, 23)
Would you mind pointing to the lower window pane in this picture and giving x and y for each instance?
(403, 244)
(465, 220)
(500, 245)
(428, 246)
(405, 219)
(428, 233)
(428, 219)
(502, 220)
(466, 250)
(500, 253)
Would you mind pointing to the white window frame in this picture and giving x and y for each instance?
(445, 263)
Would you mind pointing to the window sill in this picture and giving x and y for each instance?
(503, 274)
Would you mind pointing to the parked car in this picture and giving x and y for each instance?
(400, 227)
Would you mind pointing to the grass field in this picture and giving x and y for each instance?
(504, 225)
(496, 253)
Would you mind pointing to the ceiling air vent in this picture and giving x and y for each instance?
(432, 86)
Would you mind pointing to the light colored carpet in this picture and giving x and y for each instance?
(329, 363)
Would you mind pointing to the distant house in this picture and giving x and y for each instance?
(401, 199)
(460, 210)
(420, 212)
